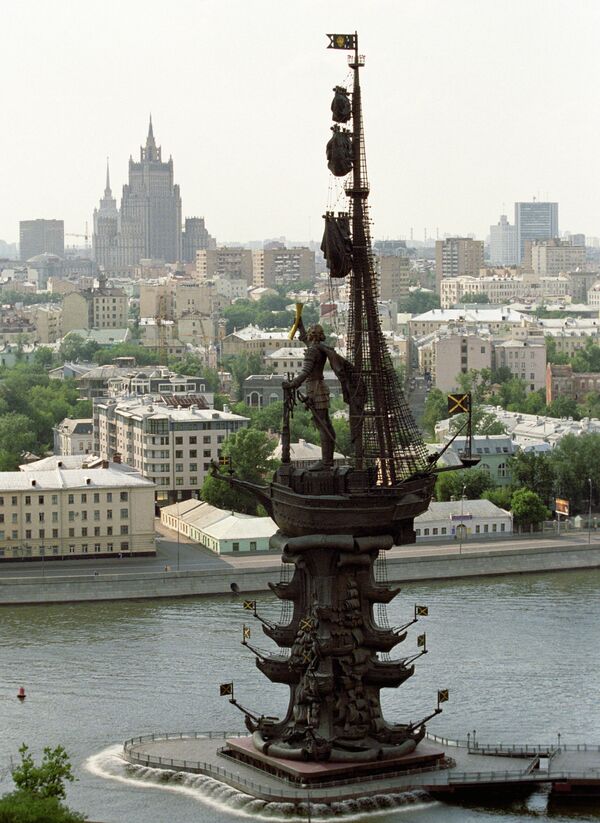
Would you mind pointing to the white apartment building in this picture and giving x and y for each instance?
(501, 289)
(172, 446)
(497, 319)
(75, 513)
(284, 361)
(74, 436)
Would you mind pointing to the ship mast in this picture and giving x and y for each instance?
(390, 437)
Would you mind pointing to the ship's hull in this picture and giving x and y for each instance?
(359, 515)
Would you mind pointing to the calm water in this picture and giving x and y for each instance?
(520, 655)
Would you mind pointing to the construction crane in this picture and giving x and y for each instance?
(86, 236)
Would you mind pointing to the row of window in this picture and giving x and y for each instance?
(443, 530)
(54, 550)
(42, 498)
(41, 535)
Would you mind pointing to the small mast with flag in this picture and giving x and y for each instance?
(342, 41)
(226, 690)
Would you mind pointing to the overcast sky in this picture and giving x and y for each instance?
(469, 105)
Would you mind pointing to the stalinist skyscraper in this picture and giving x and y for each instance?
(148, 224)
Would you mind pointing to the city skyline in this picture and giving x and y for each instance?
(464, 119)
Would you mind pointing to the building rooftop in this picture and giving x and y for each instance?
(495, 314)
(475, 508)
(254, 333)
(72, 461)
(71, 425)
(56, 479)
(148, 407)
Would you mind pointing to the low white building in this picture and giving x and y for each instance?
(223, 532)
(479, 517)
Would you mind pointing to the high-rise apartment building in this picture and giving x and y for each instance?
(148, 224)
(535, 221)
(456, 256)
(394, 274)
(41, 236)
(503, 243)
(195, 236)
(233, 263)
(555, 256)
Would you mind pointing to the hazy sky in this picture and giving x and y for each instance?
(469, 105)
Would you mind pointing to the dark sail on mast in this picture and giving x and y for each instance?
(337, 244)
(390, 438)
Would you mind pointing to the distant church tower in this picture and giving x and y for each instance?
(149, 221)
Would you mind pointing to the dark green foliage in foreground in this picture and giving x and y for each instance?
(24, 807)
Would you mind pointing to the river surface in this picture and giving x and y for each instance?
(519, 654)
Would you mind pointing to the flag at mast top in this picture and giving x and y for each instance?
(342, 41)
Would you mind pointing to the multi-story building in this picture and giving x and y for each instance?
(40, 236)
(195, 236)
(75, 513)
(96, 308)
(148, 224)
(505, 288)
(285, 361)
(593, 295)
(497, 319)
(47, 319)
(74, 436)
(535, 221)
(277, 266)
(562, 381)
(261, 390)
(503, 243)
(444, 355)
(495, 451)
(526, 360)
(570, 333)
(252, 340)
(393, 277)
(456, 256)
(555, 256)
(230, 263)
(172, 446)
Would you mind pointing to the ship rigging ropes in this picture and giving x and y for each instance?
(389, 436)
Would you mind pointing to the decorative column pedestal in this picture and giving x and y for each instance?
(333, 668)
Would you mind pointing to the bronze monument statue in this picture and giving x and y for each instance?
(317, 393)
(335, 522)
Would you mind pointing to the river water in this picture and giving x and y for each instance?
(520, 655)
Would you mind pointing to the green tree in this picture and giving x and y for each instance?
(563, 407)
(552, 355)
(23, 807)
(528, 509)
(46, 779)
(242, 366)
(43, 357)
(500, 496)
(15, 438)
(474, 481)
(436, 409)
(419, 302)
(575, 461)
(250, 453)
(343, 443)
(476, 297)
(534, 471)
(74, 349)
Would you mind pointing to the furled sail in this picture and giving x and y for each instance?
(339, 152)
(341, 108)
(337, 244)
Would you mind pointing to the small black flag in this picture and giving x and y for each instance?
(421, 611)
(246, 633)
(458, 404)
(443, 696)
(226, 690)
(342, 41)
(250, 605)
(421, 641)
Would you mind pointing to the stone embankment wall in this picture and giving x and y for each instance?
(442, 565)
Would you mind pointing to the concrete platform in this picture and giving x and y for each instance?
(310, 772)
(466, 768)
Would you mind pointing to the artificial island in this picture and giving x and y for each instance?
(334, 650)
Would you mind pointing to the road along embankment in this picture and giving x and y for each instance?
(414, 563)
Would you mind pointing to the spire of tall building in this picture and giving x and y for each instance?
(150, 153)
(107, 191)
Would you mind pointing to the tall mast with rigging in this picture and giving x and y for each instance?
(390, 437)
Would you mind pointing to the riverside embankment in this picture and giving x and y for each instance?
(423, 562)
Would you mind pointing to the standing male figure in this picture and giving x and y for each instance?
(317, 393)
